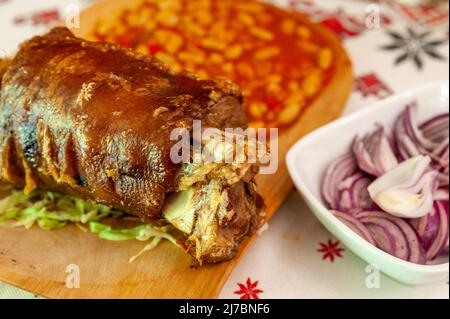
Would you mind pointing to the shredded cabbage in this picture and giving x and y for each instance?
(51, 210)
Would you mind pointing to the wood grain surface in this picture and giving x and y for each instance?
(36, 260)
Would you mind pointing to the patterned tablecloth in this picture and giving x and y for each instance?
(297, 257)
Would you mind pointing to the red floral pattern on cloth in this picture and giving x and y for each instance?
(331, 250)
(371, 85)
(249, 290)
(342, 23)
(423, 14)
(44, 17)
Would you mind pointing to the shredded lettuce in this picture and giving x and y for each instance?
(143, 232)
(51, 210)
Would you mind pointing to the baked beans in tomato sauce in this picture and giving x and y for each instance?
(279, 63)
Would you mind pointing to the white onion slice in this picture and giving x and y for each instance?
(407, 190)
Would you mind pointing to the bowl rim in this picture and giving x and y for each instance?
(318, 203)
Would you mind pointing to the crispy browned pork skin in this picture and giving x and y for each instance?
(3, 64)
(93, 120)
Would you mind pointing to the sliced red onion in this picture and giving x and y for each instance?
(441, 151)
(415, 133)
(444, 178)
(374, 153)
(440, 154)
(407, 190)
(440, 242)
(445, 250)
(354, 194)
(406, 145)
(436, 129)
(427, 227)
(430, 139)
(416, 189)
(442, 194)
(416, 251)
(338, 170)
(355, 225)
(388, 236)
(440, 158)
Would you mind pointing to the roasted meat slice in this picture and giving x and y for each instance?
(94, 120)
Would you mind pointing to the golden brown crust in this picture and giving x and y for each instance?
(94, 120)
(4, 63)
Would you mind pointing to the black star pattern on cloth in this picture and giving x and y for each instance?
(414, 46)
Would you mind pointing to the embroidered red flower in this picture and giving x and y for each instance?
(338, 20)
(430, 15)
(331, 250)
(371, 85)
(249, 290)
(44, 17)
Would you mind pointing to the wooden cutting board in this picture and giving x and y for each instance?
(37, 260)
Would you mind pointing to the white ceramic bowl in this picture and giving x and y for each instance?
(308, 159)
